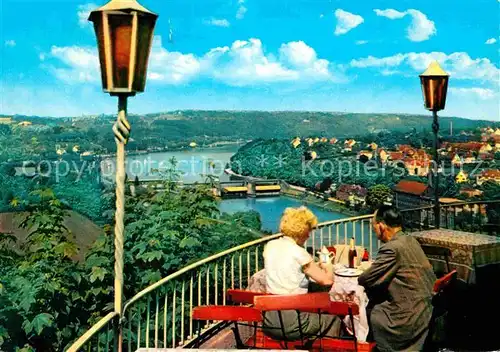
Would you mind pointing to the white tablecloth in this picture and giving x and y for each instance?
(347, 289)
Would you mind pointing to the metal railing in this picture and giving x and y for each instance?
(465, 216)
(160, 316)
(100, 337)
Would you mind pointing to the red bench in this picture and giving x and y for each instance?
(252, 316)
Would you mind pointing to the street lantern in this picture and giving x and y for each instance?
(434, 82)
(124, 31)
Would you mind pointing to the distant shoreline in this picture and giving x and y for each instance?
(175, 150)
(326, 205)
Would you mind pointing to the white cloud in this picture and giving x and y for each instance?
(420, 28)
(242, 10)
(80, 64)
(218, 22)
(84, 12)
(458, 64)
(390, 13)
(361, 42)
(243, 63)
(481, 93)
(171, 67)
(372, 61)
(491, 40)
(10, 43)
(346, 21)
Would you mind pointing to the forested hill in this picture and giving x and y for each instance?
(265, 124)
(175, 128)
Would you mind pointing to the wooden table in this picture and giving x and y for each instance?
(469, 251)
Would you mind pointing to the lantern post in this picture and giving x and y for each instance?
(434, 82)
(124, 31)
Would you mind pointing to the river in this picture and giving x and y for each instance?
(270, 209)
(195, 163)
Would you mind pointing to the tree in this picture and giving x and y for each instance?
(377, 196)
(41, 287)
(136, 181)
(448, 187)
(5, 130)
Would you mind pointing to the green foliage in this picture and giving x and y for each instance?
(377, 196)
(491, 190)
(36, 305)
(448, 187)
(5, 130)
(47, 299)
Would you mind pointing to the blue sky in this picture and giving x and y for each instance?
(332, 55)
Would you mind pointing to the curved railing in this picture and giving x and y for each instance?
(160, 315)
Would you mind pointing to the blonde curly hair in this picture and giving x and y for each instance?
(297, 222)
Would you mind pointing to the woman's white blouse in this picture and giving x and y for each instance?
(283, 261)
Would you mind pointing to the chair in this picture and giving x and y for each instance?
(440, 299)
(441, 293)
(313, 303)
(234, 314)
(243, 296)
(438, 251)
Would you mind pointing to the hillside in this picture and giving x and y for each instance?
(264, 124)
(174, 129)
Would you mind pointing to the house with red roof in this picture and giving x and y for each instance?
(488, 175)
(411, 194)
(351, 193)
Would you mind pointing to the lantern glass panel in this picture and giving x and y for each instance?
(99, 32)
(434, 89)
(121, 37)
(144, 38)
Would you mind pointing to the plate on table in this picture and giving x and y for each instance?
(348, 272)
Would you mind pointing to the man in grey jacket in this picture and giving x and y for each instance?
(399, 285)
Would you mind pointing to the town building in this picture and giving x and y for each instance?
(488, 175)
(365, 153)
(383, 156)
(411, 194)
(470, 192)
(354, 194)
(5, 120)
(349, 143)
(461, 177)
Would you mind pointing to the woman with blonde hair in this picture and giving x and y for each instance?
(288, 267)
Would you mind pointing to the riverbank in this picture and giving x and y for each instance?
(321, 203)
(304, 196)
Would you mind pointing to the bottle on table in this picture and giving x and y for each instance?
(366, 256)
(352, 254)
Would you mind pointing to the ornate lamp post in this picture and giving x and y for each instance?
(124, 31)
(434, 83)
